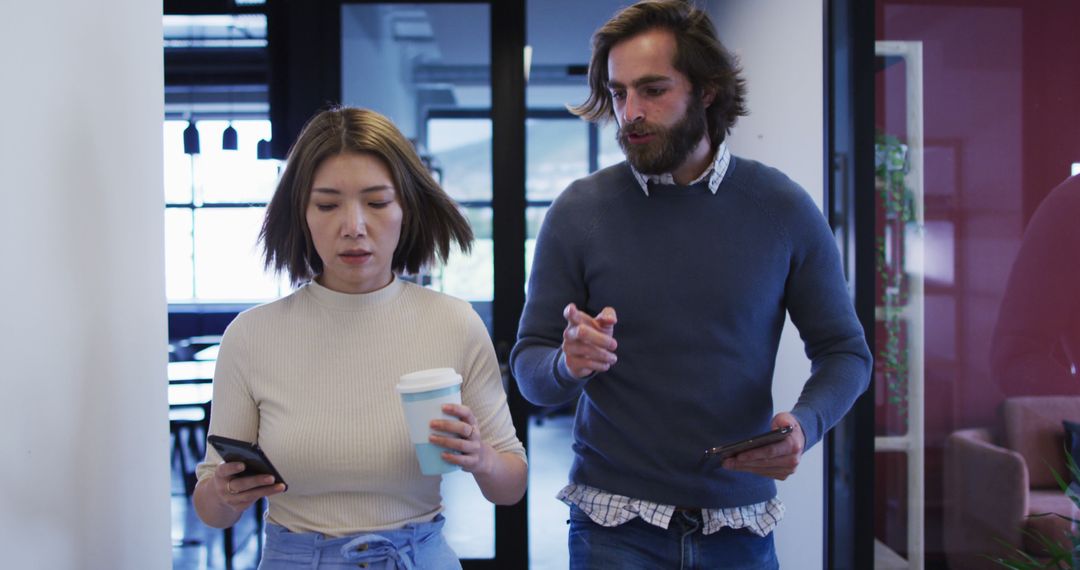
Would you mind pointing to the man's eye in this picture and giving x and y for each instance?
(654, 92)
(618, 95)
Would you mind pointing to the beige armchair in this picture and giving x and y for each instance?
(993, 485)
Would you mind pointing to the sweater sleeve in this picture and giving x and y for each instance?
(821, 309)
(483, 391)
(235, 413)
(557, 279)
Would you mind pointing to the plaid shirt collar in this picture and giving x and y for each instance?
(715, 172)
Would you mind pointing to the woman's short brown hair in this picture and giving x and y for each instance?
(430, 221)
(699, 56)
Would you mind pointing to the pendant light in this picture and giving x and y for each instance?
(191, 138)
(228, 138)
(262, 150)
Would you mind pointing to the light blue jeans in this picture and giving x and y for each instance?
(414, 547)
(639, 545)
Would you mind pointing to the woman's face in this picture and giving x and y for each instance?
(354, 216)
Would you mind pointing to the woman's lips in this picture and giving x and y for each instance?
(355, 257)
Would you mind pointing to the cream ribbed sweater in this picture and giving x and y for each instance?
(311, 377)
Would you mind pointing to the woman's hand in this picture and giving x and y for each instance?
(238, 492)
(501, 476)
(475, 456)
(221, 499)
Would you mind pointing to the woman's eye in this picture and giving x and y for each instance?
(325, 207)
(379, 205)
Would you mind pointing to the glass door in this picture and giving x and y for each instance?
(430, 67)
(978, 264)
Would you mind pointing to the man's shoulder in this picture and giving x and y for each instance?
(577, 211)
(602, 184)
(749, 172)
(768, 185)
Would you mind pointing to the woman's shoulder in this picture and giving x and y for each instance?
(435, 300)
(268, 312)
(441, 308)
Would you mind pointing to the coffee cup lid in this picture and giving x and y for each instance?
(431, 379)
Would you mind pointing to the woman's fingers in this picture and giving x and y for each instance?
(462, 437)
(464, 427)
(241, 485)
(239, 491)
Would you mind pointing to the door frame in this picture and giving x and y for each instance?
(303, 31)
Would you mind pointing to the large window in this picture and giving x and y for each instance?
(557, 153)
(215, 201)
(461, 152)
(214, 204)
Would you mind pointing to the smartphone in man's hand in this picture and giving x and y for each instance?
(719, 454)
(250, 454)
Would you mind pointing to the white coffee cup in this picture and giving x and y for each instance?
(423, 394)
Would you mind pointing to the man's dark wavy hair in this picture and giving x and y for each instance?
(699, 56)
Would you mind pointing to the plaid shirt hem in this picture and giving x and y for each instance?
(607, 509)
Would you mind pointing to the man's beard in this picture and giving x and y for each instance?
(670, 147)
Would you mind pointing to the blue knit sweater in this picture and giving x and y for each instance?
(700, 283)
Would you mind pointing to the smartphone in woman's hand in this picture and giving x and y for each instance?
(250, 454)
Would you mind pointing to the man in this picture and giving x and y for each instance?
(658, 294)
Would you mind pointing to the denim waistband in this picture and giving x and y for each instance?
(396, 546)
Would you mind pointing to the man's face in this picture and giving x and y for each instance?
(660, 118)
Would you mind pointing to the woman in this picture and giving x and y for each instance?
(311, 376)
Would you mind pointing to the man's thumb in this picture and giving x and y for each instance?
(607, 318)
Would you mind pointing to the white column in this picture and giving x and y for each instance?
(84, 434)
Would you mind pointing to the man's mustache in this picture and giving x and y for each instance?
(635, 129)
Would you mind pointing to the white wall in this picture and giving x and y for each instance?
(781, 45)
(84, 436)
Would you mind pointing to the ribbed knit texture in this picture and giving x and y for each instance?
(311, 378)
(701, 283)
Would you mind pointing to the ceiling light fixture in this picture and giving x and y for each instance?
(229, 138)
(191, 138)
(262, 150)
